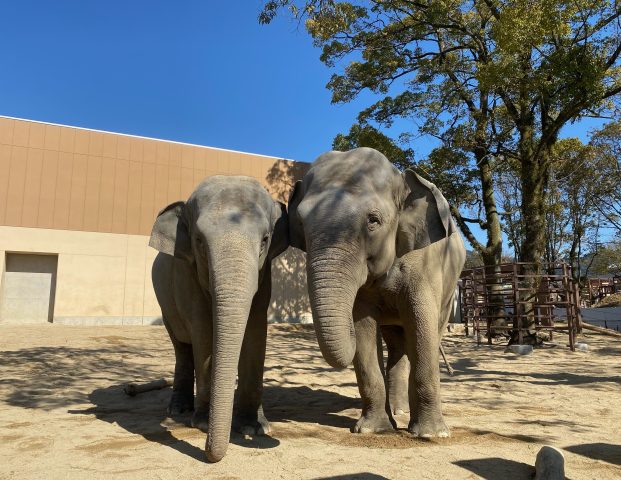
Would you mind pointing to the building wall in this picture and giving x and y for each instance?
(91, 198)
(69, 178)
(29, 288)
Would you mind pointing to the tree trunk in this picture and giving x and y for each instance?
(492, 253)
(533, 177)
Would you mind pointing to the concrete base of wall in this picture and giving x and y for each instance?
(107, 321)
(105, 278)
(100, 321)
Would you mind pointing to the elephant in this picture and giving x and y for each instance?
(383, 254)
(212, 279)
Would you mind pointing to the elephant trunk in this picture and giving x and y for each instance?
(332, 291)
(235, 278)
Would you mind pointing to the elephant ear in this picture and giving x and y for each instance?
(296, 232)
(425, 215)
(170, 232)
(280, 230)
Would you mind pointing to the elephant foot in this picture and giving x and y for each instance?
(251, 424)
(200, 419)
(400, 406)
(429, 426)
(374, 423)
(180, 402)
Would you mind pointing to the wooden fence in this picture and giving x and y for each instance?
(507, 297)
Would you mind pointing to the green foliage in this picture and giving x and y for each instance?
(369, 136)
(605, 260)
(452, 171)
(473, 260)
(494, 80)
(606, 143)
(579, 179)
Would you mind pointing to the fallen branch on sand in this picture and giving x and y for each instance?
(133, 389)
(446, 362)
(605, 331)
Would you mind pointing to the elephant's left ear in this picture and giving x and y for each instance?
(425, 216)
(170, 232)
(280, 230)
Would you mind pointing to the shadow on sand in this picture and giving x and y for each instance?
(145, 415)
(495, 468)
(469, 370)
(598, 451)
(355, 476)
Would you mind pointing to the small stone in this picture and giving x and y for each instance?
(550, 464)
(456, 328)
(581, 346)
(520, 349)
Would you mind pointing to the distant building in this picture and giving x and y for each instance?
(76, 211)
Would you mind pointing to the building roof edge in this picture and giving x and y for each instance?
(150, 138)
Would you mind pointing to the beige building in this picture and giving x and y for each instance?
(76, 210)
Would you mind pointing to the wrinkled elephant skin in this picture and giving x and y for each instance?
(213, 283)
(383, 255)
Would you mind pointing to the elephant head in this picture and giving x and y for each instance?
(229, 230)
(354, 213)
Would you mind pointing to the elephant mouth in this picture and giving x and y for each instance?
(374, 281)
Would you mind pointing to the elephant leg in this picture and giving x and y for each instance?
(368, 364)
(182, 399)
(397, 369)
(202, 335)
(420, 317)
(249, 418)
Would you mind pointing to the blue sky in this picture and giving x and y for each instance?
(192, 71)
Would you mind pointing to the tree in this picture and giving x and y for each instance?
(572, 217)
(607, 145)
(495, 79)
(607, 259)
(577, 179)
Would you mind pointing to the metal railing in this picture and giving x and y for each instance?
(518, 298)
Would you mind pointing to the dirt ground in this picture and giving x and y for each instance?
(63, 414)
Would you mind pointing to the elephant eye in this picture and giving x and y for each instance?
(373, 221)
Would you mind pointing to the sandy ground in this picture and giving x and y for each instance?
(63, 414)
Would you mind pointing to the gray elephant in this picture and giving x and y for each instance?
(382, 250)
(212, 280)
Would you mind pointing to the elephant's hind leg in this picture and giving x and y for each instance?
(182, 399)
(397, 369)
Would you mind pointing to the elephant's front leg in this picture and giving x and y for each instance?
(182, 399)
(420, 316)
(202, 341)
(397, 369)
(368, 364)
(249, 418)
